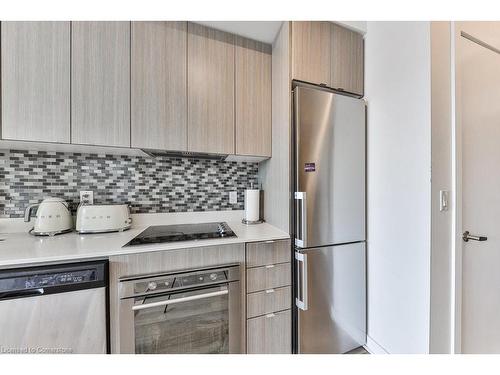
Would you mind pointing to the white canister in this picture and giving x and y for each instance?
(252, 205)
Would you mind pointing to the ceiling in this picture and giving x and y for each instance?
(266, 31)
(263, 31)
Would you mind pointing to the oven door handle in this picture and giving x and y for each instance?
(179, 300)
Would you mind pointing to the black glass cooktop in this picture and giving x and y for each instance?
(182, 232)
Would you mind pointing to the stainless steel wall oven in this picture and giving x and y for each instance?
(196, 311)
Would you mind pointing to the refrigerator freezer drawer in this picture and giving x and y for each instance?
(334, 286)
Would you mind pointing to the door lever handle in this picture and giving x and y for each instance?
(467, 236)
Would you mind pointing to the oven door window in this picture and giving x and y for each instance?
(199, 324)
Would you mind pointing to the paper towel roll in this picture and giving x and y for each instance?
(252, 204)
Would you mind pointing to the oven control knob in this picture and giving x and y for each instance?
(200, 278)
(167, 283)
(152, 285)
(213, 276)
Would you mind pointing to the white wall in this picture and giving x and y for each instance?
(441, 321)
(398, 91)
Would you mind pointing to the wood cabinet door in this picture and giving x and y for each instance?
(159, 81)
(268, 252)
(36, 81)
(270, 334)
(311, 44)
(268, 301)
(100, 83)
(253, 98)
(210, 90)
(347, 60)
(268, 277)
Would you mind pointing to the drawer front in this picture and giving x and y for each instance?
(268, 252)
(270, 334)
(268, 277)
(268, 301)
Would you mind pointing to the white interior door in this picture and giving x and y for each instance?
(479, 82)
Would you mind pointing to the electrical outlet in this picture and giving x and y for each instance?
(233, 197)
(86, 197)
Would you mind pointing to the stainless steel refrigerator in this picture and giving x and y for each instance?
(329, 220)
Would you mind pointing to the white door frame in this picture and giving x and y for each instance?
(456, 149)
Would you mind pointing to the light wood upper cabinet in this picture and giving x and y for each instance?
(347, 60)
(253, 98)
(311, 51)
(36, 81)
(328, 54)
(100, 83)
(173, 86)
(159, 75)
(210, 90)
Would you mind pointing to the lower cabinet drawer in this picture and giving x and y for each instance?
(268, 301)
(270, 334)
(267, 277)
(268, 252)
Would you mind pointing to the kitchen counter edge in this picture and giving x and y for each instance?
(22, 250)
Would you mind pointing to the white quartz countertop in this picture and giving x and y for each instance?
(21, 248)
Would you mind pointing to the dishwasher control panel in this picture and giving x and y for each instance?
(58, 276)
(40, 281)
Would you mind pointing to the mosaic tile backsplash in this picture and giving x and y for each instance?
(148, 185)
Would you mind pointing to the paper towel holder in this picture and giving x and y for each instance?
(248, 222)
(261, 210)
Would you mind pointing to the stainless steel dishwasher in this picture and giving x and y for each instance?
(54, 309)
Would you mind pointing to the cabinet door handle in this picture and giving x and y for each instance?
(270, 241)
(272, 315)
(269, 291)
(270, 266)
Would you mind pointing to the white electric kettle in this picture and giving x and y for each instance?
(53, 216)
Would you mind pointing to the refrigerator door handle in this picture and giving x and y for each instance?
(301, 240)
(301, 262)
